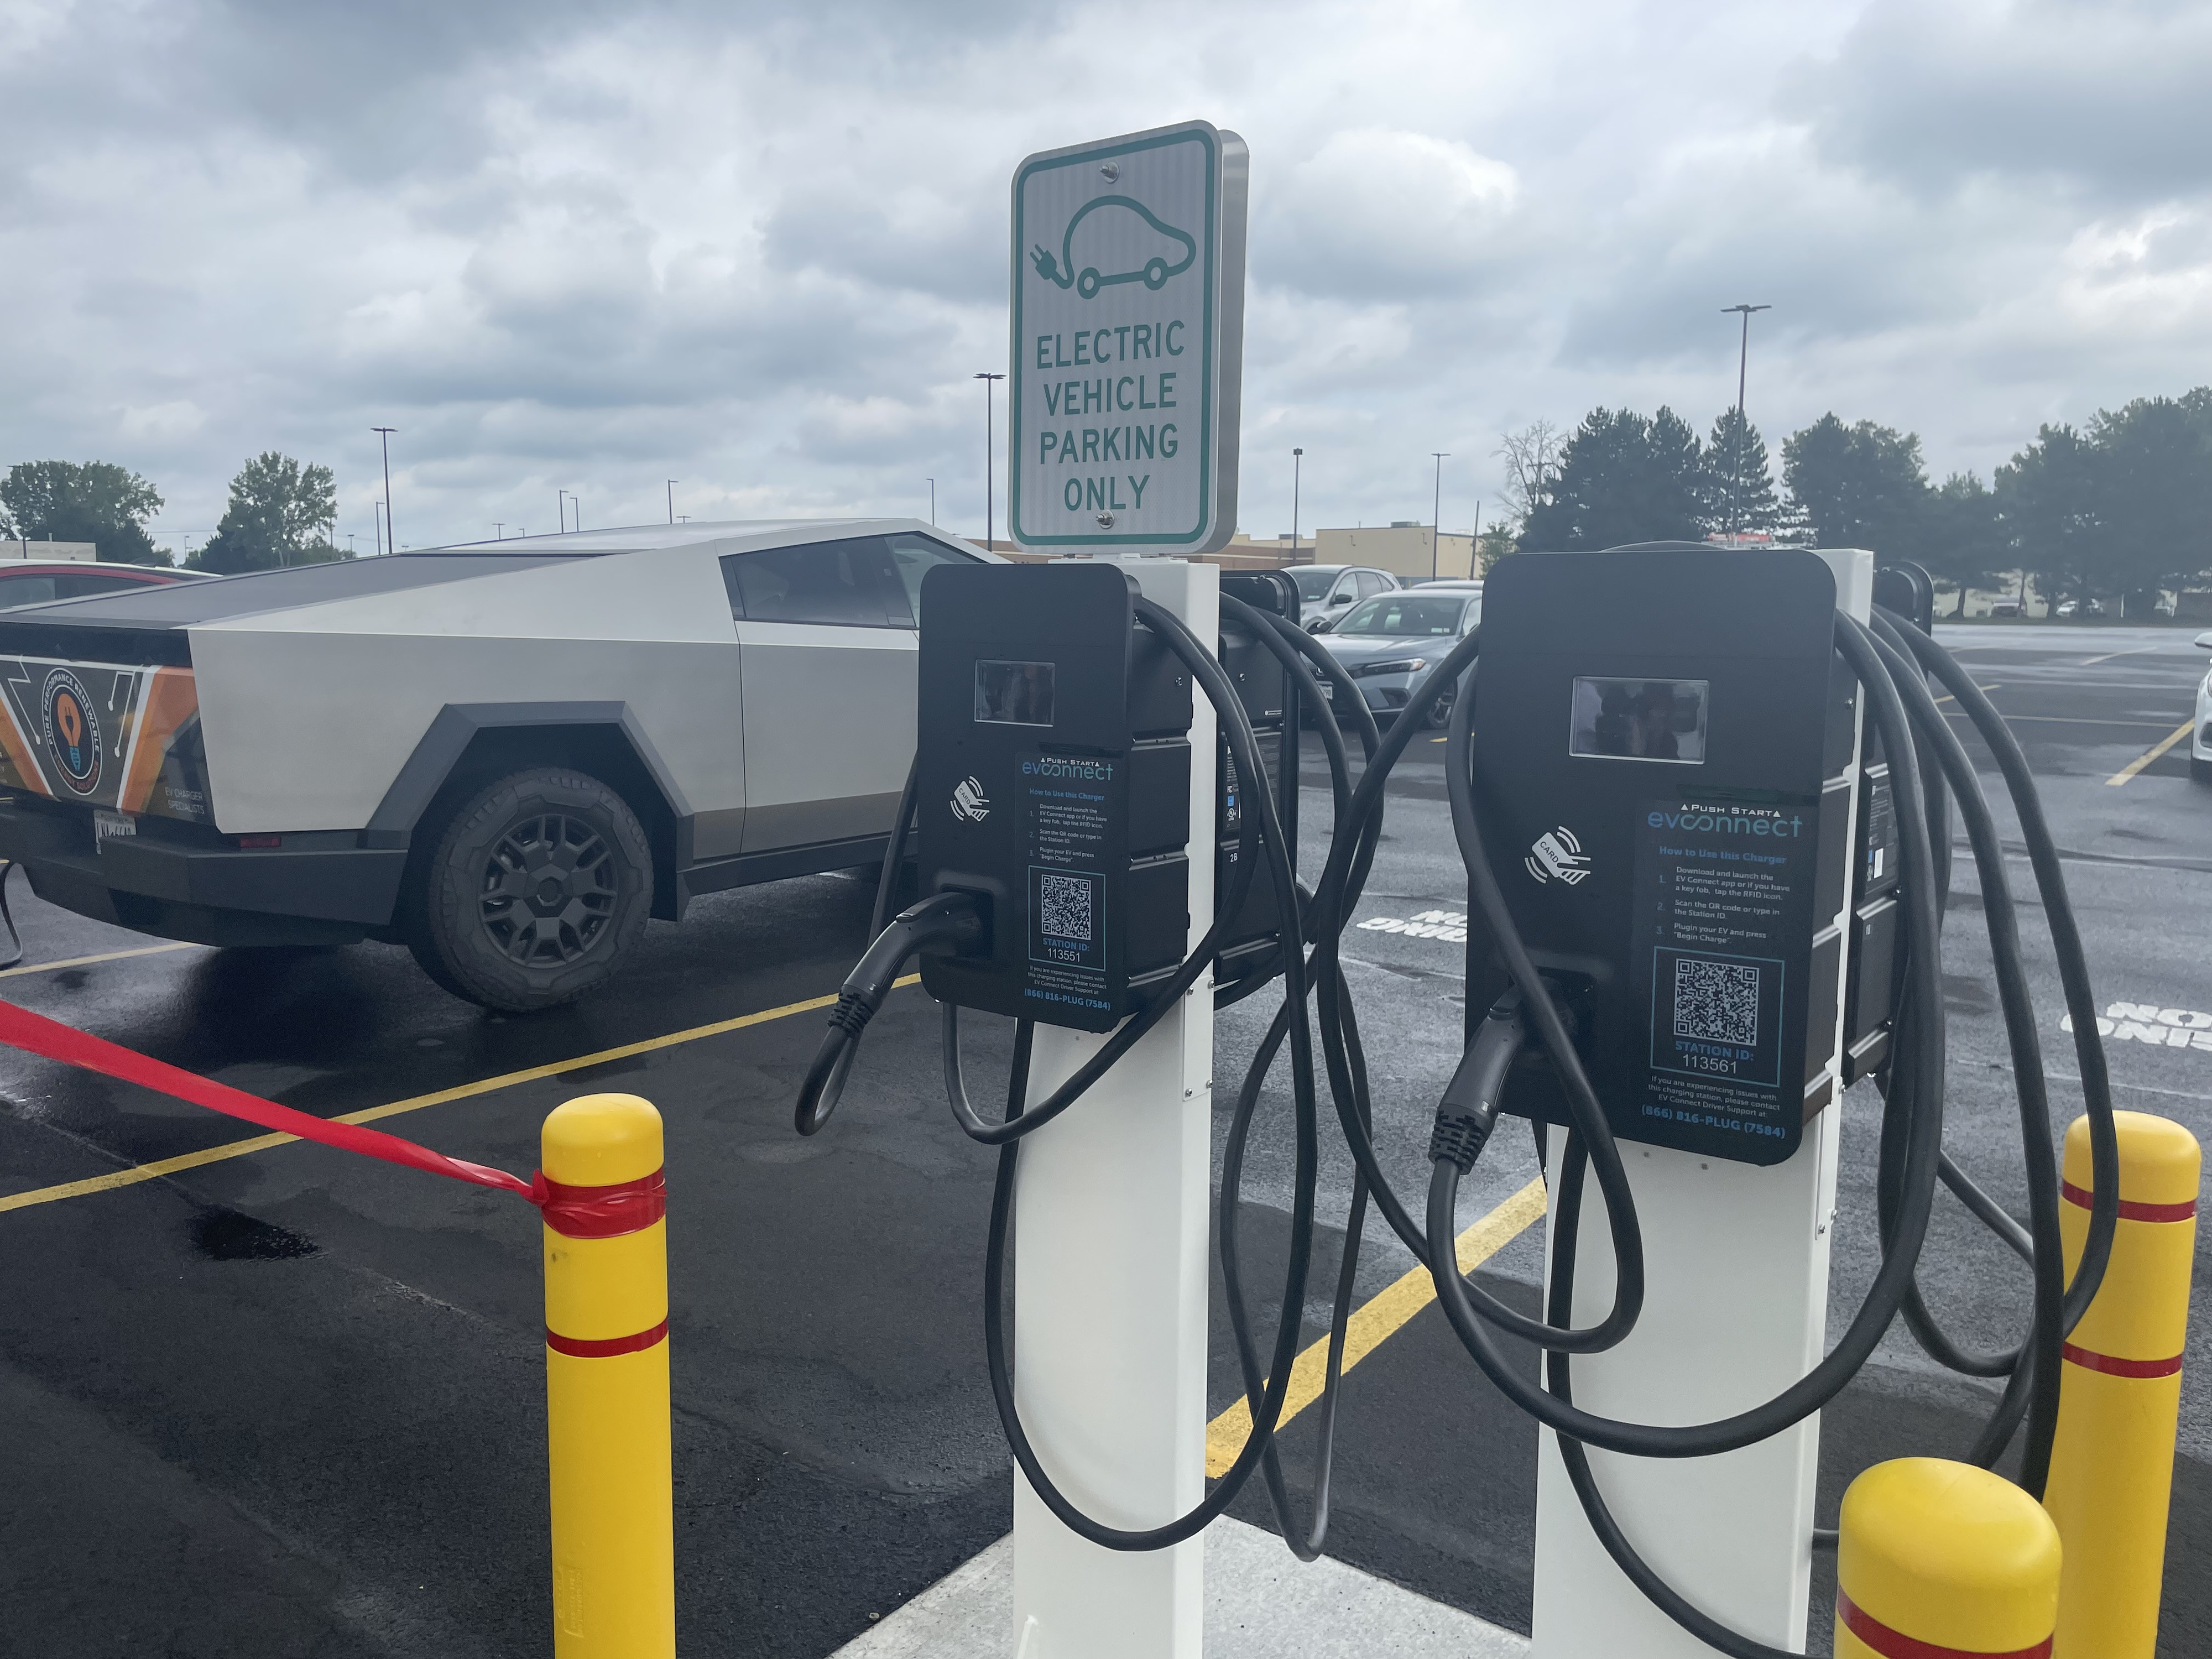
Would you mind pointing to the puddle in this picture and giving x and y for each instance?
(226, 1236)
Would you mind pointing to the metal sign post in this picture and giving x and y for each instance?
(1128, 320)
(1128, 344)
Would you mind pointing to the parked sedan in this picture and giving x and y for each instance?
(1326, 592)
(1387, 644)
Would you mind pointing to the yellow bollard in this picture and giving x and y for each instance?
(2119, 1398)
(606, 1381)
(1943, 1560)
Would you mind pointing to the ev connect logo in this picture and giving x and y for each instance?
(1556, 856)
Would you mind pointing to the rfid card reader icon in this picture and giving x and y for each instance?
(969, 803)
(1556, 856)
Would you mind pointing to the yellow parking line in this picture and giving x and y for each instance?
(1374, 1323)
(138, 1172)
(2091, 662)
(2151, 754)
(1993, 685)
(105, 956)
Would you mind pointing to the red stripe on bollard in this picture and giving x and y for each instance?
(1896, 1644)
(2090, 1359)
(577, 1347)
(2130, 1210)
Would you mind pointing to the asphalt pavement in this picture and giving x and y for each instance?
(291, 1403)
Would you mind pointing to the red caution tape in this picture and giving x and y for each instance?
(627, 1206)
(35, 1034)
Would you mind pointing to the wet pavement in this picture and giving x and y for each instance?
(290, 1403)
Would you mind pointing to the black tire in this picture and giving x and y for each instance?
(2200, 771)
(1440, 711)
(537, 893)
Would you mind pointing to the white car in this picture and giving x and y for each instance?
(2200, 740)
(504, 754)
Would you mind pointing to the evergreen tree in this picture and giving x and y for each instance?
(96, 501)
(1861, 486)
(280, 514)
(1741, 485)
(1624, 478)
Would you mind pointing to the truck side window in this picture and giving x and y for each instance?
(914, 557)
(26, 590)
(848, 584)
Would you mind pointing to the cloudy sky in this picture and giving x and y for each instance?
(760, 248)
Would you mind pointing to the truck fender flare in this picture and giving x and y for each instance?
(457, 726)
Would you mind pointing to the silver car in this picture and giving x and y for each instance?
(1389, 644)
(1326, 592)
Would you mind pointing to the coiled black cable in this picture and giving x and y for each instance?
(1888, 661)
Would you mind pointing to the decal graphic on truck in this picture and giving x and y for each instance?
(127, 737)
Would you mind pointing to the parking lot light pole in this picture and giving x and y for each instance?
(672, 483)
(989, 442)
(1742, 364)
(1436, 514)
(384, 433)
(560, 506)
(1298, 461)
(933, 491)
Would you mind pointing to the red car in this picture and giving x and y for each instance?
(37, 582)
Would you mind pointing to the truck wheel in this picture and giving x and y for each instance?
(537, 893)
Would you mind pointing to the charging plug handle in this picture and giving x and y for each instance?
(1468, 1110)
(944, 924)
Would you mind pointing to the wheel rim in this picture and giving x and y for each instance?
(1440, 715)
(549, 891)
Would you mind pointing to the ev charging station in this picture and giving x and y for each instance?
(1688, 731)
(1702, 849)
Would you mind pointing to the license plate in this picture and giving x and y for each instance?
(107, 826)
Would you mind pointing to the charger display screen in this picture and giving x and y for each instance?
(1640, 720)
(1013, 693)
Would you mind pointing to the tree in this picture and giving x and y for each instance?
(2123, 508)
(1532, 467)
(2151, 485)
(2047, 495)
(96, 501)
(1492, 545)
(1624, 478)
(1743, 477)
(1861, 486)
(280, 514)
(1964, 541)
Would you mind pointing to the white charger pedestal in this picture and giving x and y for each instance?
(1735, 1310)
(1110, 1283)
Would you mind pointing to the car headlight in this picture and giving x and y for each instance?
(1402, 665)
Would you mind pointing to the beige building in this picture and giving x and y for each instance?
(75, 552)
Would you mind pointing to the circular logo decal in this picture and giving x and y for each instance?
(72, 731)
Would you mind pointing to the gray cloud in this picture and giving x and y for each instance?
(763, 250)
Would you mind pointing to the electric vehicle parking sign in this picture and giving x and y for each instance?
(1128, 316)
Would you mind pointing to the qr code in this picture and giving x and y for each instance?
(1066, 902)
(1715, 1001)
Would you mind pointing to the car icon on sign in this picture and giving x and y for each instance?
(1117, 231)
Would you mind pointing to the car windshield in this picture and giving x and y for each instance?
(1314, 583)
(1406, 614)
